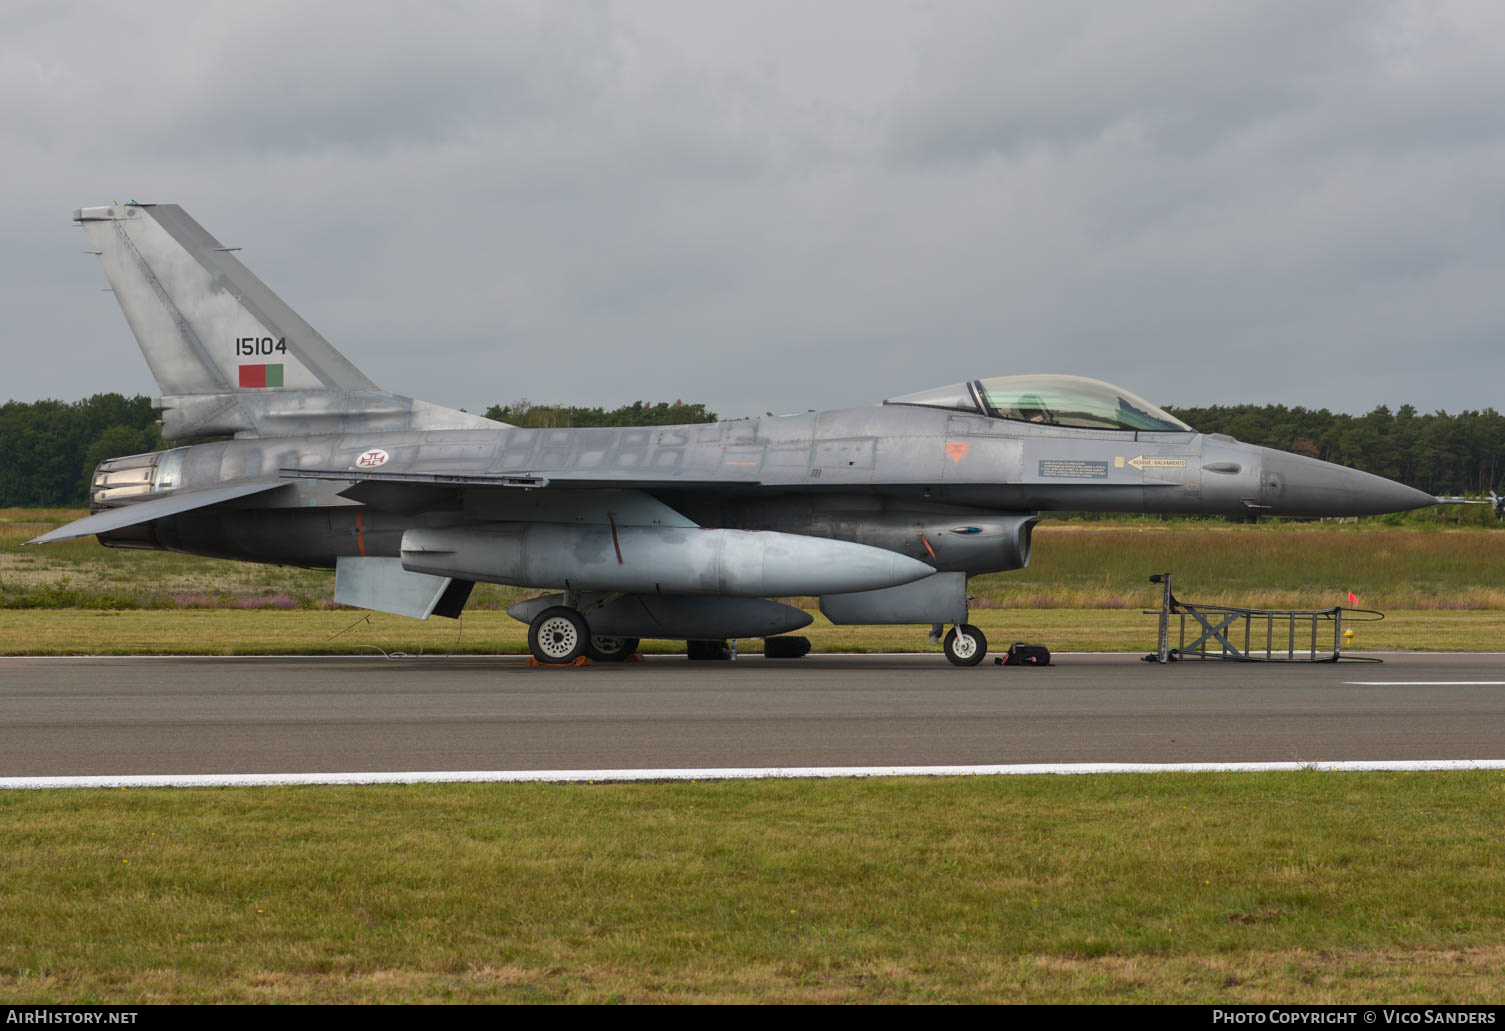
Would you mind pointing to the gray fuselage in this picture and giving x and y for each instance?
(886, 475)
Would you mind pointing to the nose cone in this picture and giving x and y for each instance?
(1295, 485)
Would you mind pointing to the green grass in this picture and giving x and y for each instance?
(1305, 566)
(1311, 887)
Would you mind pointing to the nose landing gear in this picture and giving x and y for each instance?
(965, 645)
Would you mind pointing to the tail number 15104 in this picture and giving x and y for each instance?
(259, 345)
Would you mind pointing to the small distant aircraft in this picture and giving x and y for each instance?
(677, 532)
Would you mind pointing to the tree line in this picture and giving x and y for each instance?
(48, 449)
(639, 413)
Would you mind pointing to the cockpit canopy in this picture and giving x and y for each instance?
(1050, 400)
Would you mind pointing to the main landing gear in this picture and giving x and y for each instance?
(611, 649)
(560, 635)
(708, 651)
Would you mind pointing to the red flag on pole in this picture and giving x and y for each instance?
(1351, 599)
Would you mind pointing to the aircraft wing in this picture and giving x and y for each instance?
(154, 508)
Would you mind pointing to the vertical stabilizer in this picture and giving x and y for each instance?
(228, 354)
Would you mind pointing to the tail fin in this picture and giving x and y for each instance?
(228, 354)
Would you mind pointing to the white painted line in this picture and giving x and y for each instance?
(1425, 683)
(242, 780)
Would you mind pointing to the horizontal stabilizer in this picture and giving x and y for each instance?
(154, 508)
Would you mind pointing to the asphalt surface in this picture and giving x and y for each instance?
(92, 716)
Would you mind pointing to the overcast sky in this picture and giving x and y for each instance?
(773, 206)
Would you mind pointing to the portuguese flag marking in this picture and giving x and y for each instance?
(260, 376)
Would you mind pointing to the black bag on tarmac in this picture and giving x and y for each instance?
(1021, 654)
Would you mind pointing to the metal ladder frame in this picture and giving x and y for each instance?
(1217, 622)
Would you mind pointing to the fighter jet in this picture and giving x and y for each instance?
(675, 532)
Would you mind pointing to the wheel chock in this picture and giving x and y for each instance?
(582, 660)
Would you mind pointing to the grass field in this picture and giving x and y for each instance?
(1304, 566)
(1314, 887)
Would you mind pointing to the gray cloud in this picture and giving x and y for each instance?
(783, 206)
(1183, 80)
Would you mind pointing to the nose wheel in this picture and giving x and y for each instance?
(965, 645)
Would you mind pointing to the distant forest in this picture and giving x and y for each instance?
(48, 449)
(525, 413)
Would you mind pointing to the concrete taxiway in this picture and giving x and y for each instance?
(151, 715)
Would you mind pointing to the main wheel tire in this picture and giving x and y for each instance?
(558, 636)
(965, 645)
(611, 649)
(786, 647)
(708, 651)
